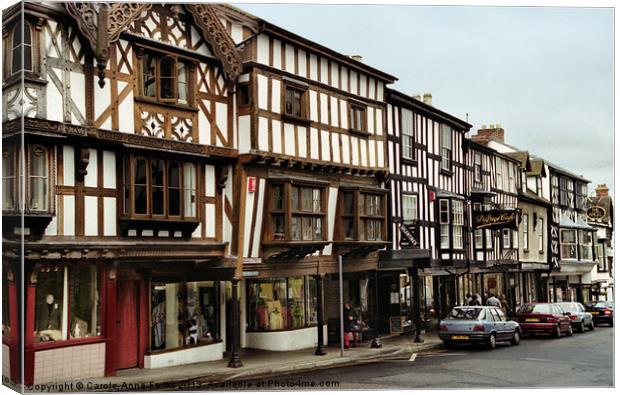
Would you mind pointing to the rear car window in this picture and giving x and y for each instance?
(536, 308)
(569, 307)
(604, 304)
(464, 313)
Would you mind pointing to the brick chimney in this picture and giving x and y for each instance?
(602, 190)
(486, 134)
(427, 98)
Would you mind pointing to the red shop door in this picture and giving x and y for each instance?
(127, 323)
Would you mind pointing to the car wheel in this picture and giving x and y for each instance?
(592, 326)
(448, 344)
(492, 341)
(582, 327)
(557, 331)
(570, 330)
(516, 338)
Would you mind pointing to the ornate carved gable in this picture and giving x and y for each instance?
(102, 25)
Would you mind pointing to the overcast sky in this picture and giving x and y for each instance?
(544, 73)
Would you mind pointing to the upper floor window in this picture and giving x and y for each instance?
(499, 181)
(539, 185)
(451, 223)
(568, 244)
(555, 190)
(407, 134)
(581, 193)
(295, 101)
(564, 191)
(477, 167)
(585, 245)
(511, 178)
(357, 117)
(155, 187)
(526, 232)
(38, 162)
(297, 212)
(446, 148)
(21, 45)
(601, 258)
(165, 78)
(410, 207)
(541, 235)
(362, 216)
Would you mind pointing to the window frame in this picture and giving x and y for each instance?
(449, 231)
(158, 55)
(361, 216)
(353, 108)
(446, 150)
(563, 243)
(412, 197)
(9, 74)
(130, 186)
(304, 105)
(583, 246)
(287, 212)
(541, 235)
(526, 232)
(407, 139)
(478, 167)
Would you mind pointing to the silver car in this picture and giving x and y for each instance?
(579, 317)
(478, 324)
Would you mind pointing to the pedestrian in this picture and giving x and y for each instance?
(504, 303)
(493, 301)
(475, 300)
(467, 299)
(349, 322)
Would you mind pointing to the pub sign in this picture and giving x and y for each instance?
(410, 234)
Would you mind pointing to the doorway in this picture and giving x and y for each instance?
(127, 319)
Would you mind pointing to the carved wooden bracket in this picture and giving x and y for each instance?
(222, 177)
(82, 163)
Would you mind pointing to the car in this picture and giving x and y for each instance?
(478, 324)
(579, 317)
(545, 318)
(602, 312)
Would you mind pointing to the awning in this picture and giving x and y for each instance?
(566, 222)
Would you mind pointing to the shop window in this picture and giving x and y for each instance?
(6, 307)
(526, 232)
(156, 187)
(357, 117)
(410, 207)
(446, 148)
(568, 244)
(585, 245)
(184, 314)
(281, 304)
(165, 78)
(67, 303)
(38, 187)
(297, 212)
(362, 215)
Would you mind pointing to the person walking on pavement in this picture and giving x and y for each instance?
(349, 321)
(504, 303)
(493, 301)
(467, 298)
(475, 300)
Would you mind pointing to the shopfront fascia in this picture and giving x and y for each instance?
(96, 300)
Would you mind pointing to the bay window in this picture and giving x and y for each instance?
(281, 303)
(297, 212)
(581, 193)
(410, 207)
(8, 179)
(67, 303)
(38, 186)
(446, 148)
(478, 233)
(363, 215)
(457, 224)
(451, 222)
(407, 134)
(444, 223)
(154, 187)
(184, 314)
(585, 245)
(568, 244)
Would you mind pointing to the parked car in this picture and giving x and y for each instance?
(579, 317)
(602, 312)
(478, 324)
(547, 318)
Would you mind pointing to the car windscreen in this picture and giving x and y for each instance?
(536, 308)
(604, 304)
(569, 307)
(465, 313)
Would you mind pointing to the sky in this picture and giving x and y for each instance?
(544, 73)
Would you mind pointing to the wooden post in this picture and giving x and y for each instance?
(235, 360)
(415, 303)
(320, 349)
(376, 343)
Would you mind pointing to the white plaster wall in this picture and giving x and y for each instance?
(6, 361)
(209, 352)
(262, 49)
(244, 134)
(284, 340)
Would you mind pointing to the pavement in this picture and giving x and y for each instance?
(256, 364)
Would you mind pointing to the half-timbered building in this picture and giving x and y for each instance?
(312, 165)
(493, 183)
(428, 203)
(124, 182)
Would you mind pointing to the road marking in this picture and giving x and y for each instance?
(413, 357)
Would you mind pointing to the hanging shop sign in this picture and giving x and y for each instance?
(596, 213)
(410, 234)
(496, 219)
